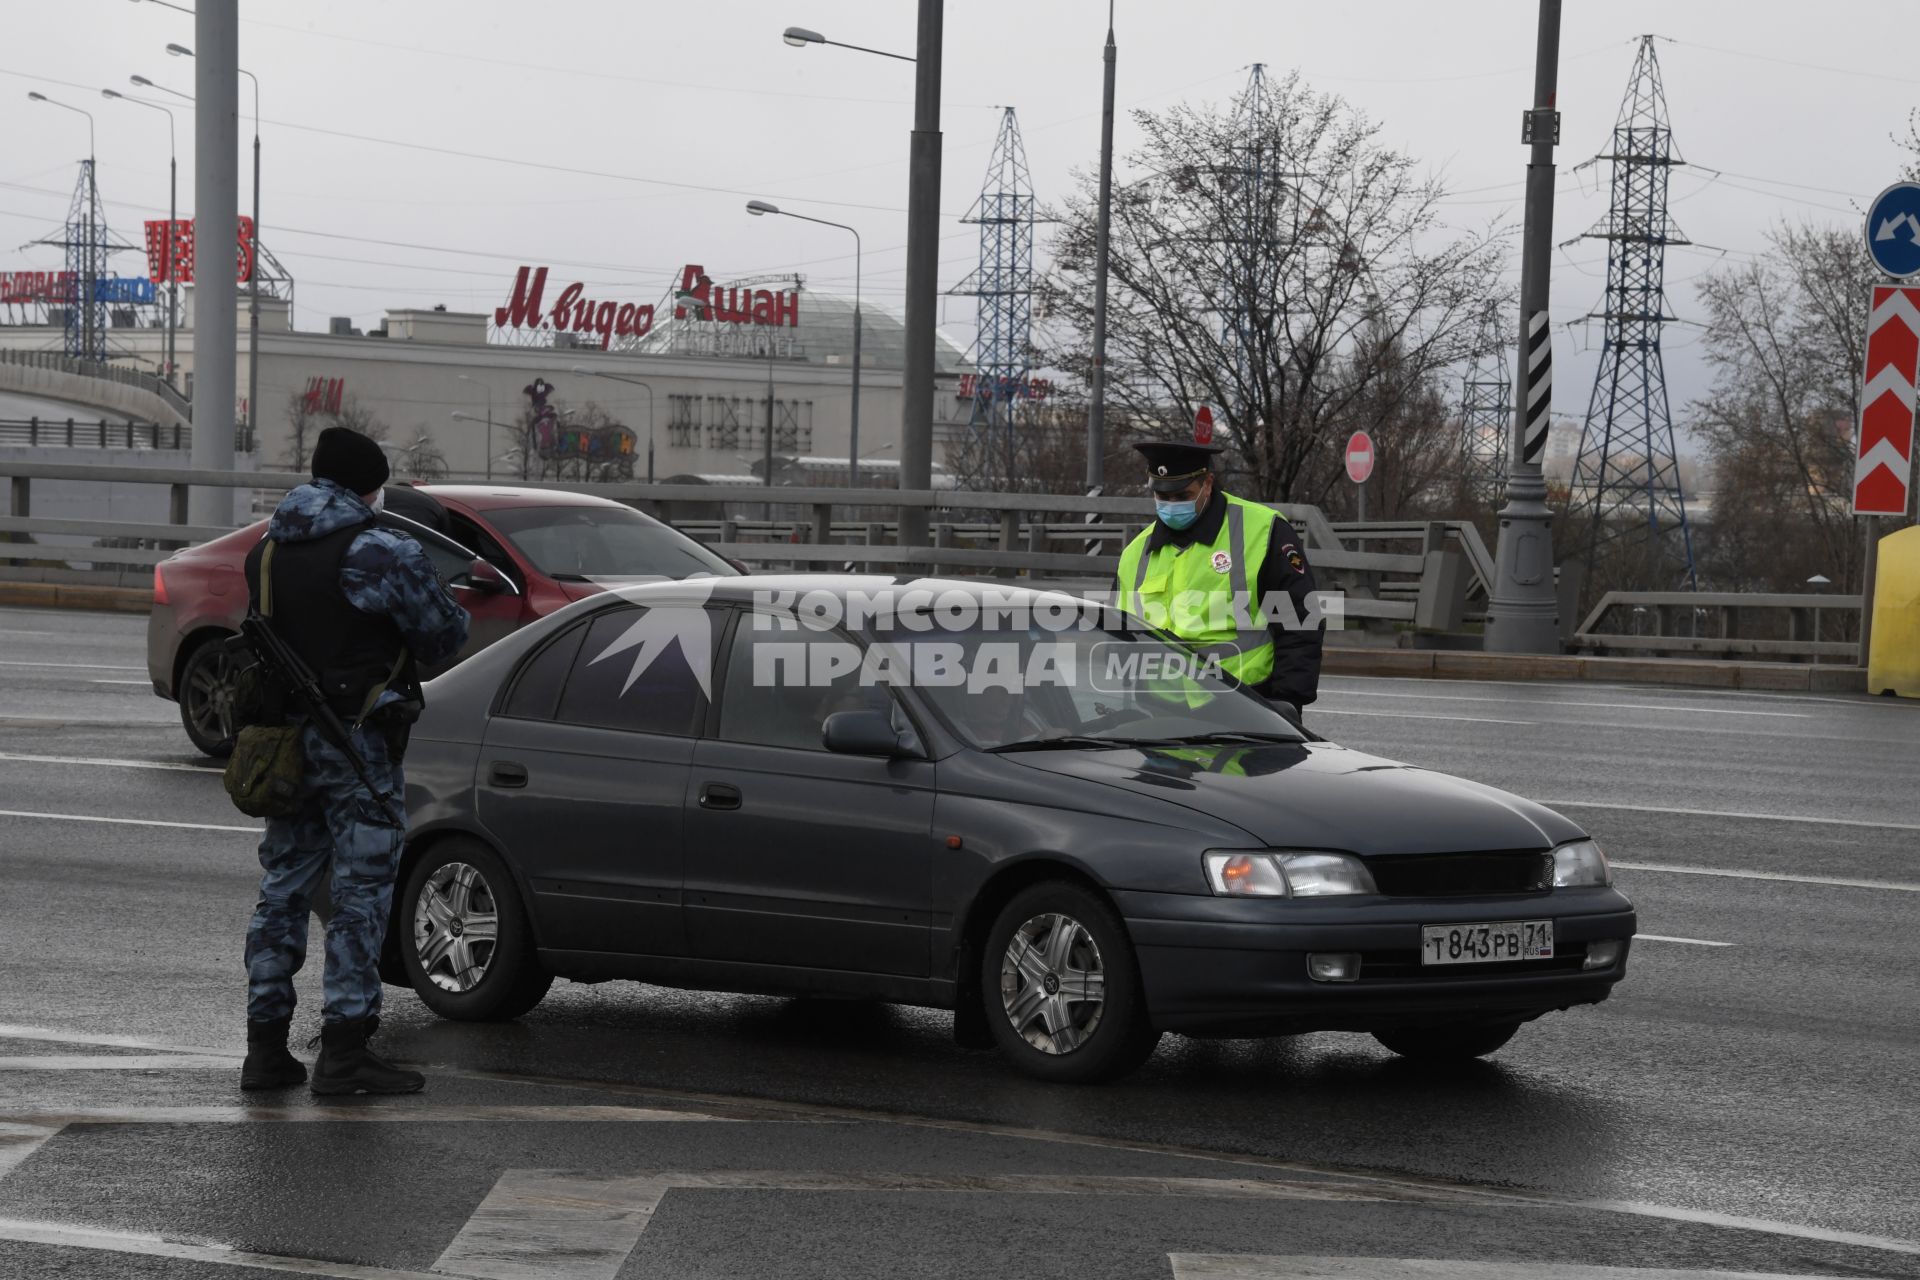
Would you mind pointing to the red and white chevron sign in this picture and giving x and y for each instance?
(1882, 472)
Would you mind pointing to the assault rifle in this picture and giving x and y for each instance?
(287, 671)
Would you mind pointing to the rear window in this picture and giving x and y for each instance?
(572, 543)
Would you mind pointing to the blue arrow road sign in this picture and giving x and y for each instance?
(1893, 229)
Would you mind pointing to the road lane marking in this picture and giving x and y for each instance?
(106, 762)
(1556, 703)
(71, 666)
(1732, 813)
(58, 1035)
(138, 683)
(1705, 1217)
(116, 1062)
(219, 1255)
(1221, 1266)
(364, 1111)
(539, 1224)
(1692, 942)
(1838, 882)
(126, 822)
(18, 1141)
(1413, 715)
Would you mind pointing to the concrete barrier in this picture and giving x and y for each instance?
(116, 399)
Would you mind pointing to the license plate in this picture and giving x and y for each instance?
(1486, 943)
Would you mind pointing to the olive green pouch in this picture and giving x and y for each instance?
(263, 777)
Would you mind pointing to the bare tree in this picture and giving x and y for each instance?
(305, 422)
(422, 458)
(1786, 336)
(1271, 254)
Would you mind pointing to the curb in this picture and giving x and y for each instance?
(58, 595)
(1441, 664)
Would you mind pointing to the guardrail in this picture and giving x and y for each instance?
(1036, 535)
(72, 433)
(1720, 624)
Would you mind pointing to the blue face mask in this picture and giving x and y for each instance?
(1176, 515)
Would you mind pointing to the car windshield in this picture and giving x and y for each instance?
(1102, 682)
(603, 542)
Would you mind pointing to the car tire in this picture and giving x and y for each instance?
(1447, 1044)
(205, 695)
(1046, 937)
(454, 890)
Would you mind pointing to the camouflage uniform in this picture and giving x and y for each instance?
(340, 830)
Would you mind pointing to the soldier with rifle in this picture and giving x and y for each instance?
(341, 611)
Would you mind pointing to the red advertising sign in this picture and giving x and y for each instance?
(323, 395)
(170, 251)
(1883, 466)
(36, 286)
(975, 384)
(1359, 457)
(700, 297)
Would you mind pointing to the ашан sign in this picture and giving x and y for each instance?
(574, 312)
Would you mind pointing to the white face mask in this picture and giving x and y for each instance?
(379, 502)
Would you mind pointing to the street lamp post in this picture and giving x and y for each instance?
(173, 215)
(489, 390)
(760, 207)
(923, 257)
(1097, 388)
(253, 274)
(88, 285)
(581, 371)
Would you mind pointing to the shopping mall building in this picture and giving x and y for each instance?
(556, 383)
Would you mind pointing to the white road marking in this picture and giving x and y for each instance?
(18, 1141)
(71, 666)
(57, 1035)
(539, 1224)
(126, 822)
(1220, 1266)
(138, 683)
(1886, 1244)
(1541, 703)
(1732, 813)
(1411, 715)
(116, 1062)
(1692, 942)
(364, 1111)
(1837, 882)
(136, 1243)
(105, 762)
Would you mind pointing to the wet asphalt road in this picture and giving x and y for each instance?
(1771, 1078)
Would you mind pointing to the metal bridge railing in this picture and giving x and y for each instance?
(1721, 624)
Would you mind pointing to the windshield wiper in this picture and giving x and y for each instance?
(1242, 737)
(1069, 742)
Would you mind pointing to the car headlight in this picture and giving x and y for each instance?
(1287, 875)
(1580, 863)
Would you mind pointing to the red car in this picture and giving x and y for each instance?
(511, 555)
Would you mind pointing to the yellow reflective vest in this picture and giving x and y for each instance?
(1203, 593)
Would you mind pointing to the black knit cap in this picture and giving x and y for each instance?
(349, 459)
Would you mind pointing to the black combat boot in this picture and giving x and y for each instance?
(268, 1064)
(347, 1065)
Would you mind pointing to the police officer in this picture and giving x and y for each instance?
(361, 605)
(1208, 551)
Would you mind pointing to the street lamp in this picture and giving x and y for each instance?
(253, 276)
(489, 390)
(581, 371)
(173, 213)
(800, 38)
(923, 254)
(759, 208)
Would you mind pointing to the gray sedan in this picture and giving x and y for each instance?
(1017, 805)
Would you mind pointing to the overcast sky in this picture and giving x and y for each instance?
(1788, 101)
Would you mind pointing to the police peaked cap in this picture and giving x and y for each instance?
(349, 459)
(1172, 465)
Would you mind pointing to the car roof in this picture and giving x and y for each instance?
(752, 587)
(497, 497)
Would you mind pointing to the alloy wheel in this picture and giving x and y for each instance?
(209, 696)
(1052, 983)
(456, 925)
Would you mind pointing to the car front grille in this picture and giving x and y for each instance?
(1442, 875)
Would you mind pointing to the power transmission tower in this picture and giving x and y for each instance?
(87, 242)
(1626, 479)
(1486, 416)
(1003, 283)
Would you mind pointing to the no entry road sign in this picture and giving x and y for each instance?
(1359, 457)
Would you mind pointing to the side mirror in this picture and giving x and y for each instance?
(861, 733)
(485, 578)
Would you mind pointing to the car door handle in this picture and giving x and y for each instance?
(719, 795)
(505, 773)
